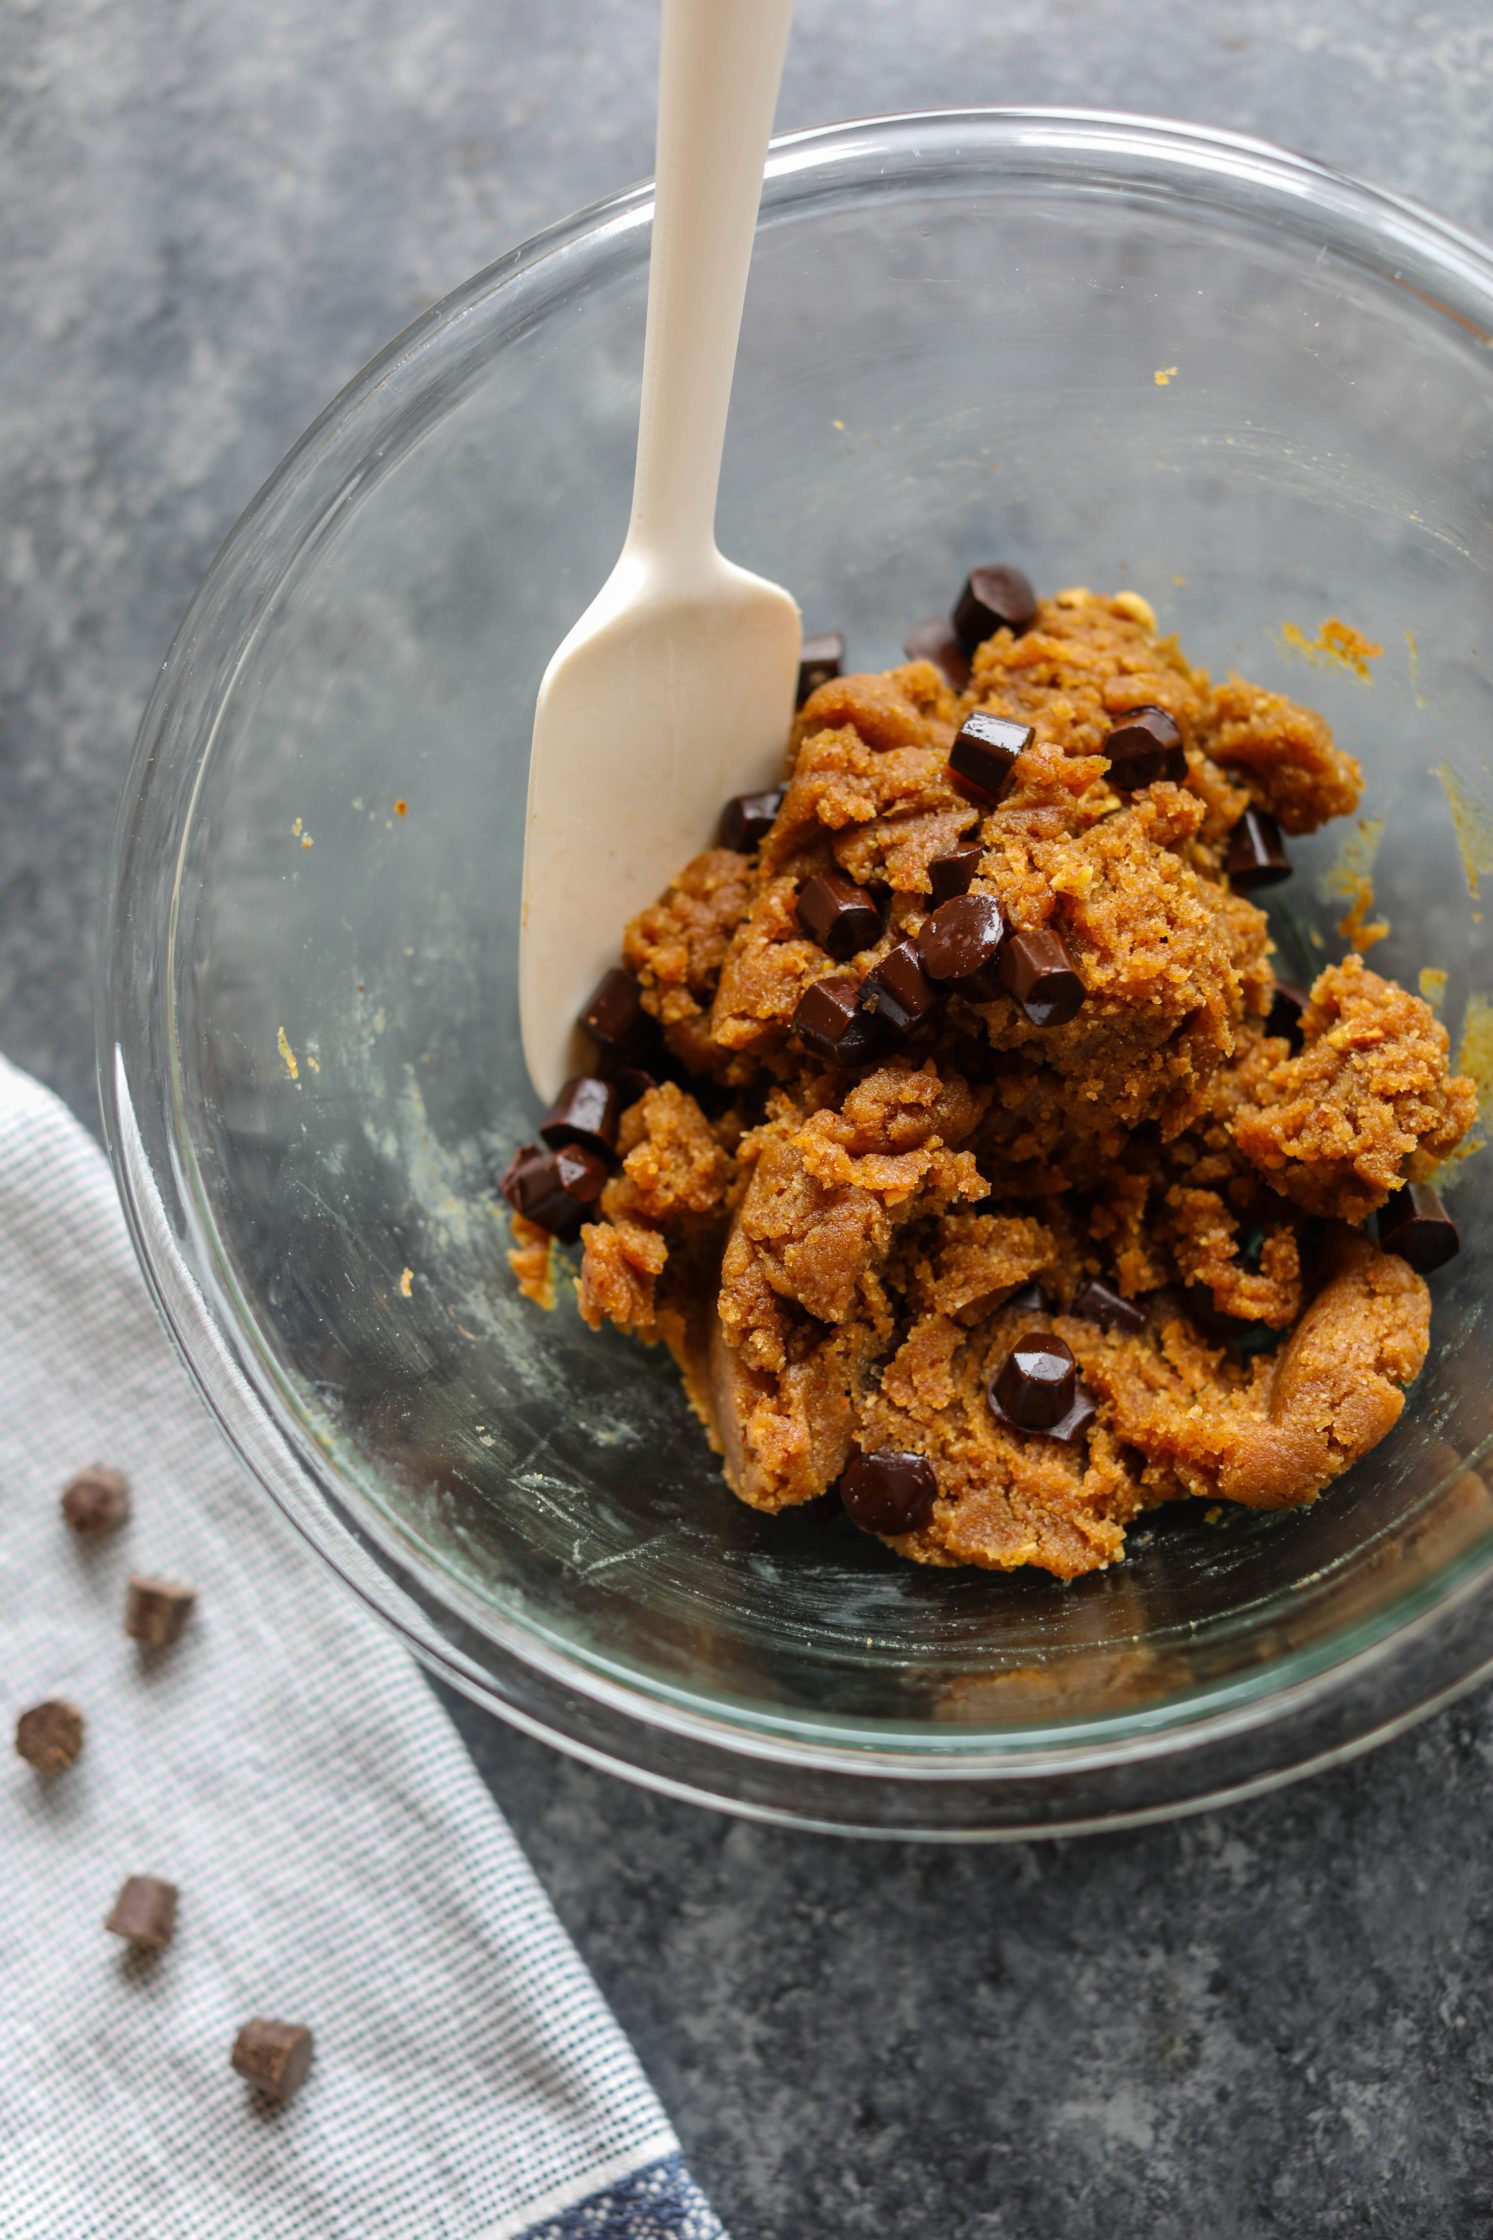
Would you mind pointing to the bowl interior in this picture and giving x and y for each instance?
(1120, 363)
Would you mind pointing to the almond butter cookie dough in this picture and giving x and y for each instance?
(952, 1130)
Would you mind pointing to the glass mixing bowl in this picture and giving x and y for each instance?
(1116, 351)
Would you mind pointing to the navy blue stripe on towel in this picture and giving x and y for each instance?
(661, 2202)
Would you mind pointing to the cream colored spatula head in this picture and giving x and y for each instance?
(675, 689)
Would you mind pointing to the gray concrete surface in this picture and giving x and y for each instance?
(1273, 2021)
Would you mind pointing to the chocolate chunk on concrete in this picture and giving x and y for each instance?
(935, 641)
(1037, 969)
(983, 758)
(748, 818)
(50, 1735)
(585, 1112)
(156, 1610)
(95, 1501)
(144, 1912)
(1416, 1225)
(1257, 853)
(839, 915)
(994, 598)
(820, 658)
(275, 2056)
(889, 1491)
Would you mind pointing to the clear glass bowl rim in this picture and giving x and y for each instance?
(1306, 1698)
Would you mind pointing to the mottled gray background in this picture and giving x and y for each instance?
(1274, 2021)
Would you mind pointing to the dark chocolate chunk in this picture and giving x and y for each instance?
(144, 1912)
(983, 758)
(632, 1082)
(614, 1018)
(1257, 854)
(993, 599)
(953, 873)
(829, 1022)
(97, 1500)
(1095, 1302)
(1144, 748)
(50, 1735)
(1037, 970)
(889, 1491)
(1034, 1387)
(275, 2056)
(819, 659)
(1027, 1298)
(898, 990)
(1416, 1225)
(585, 1112)
(556, 1190)
(960, 942)
(519, 1173)
(156, 1610)
(1284, 1015)
(838, 914)
(935, 641)
(747, 819)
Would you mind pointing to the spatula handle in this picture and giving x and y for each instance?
(718, 83)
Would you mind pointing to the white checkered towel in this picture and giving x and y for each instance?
(339, 1862)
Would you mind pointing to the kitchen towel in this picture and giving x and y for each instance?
(285, 1764)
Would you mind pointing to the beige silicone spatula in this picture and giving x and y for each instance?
(675, 689)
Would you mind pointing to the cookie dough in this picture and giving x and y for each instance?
(841, 1257)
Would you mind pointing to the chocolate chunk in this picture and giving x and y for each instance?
(614, 1018)
(1040, 1379)
(838, 914)
(829, 1022)
(1416, 1225)
(1257, 854)
(993, 599)
(1284, 1015)
(144, 1912)
(1036, 969)
(96, 1500)
(934, 641)
(1035, 1385)
(585, 1112)
(1144, 748)
(983, 758)
(50, 1735)
(631, 1082)
(156, 1610)
(748, 818)
(898, 990)
(1095, 1302)
(819, 659)
(1027, 1298)
(517, 1176)
(555, 1190)
(960, 942)
(953, 873)
(273, 2055)
(889, 1491)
